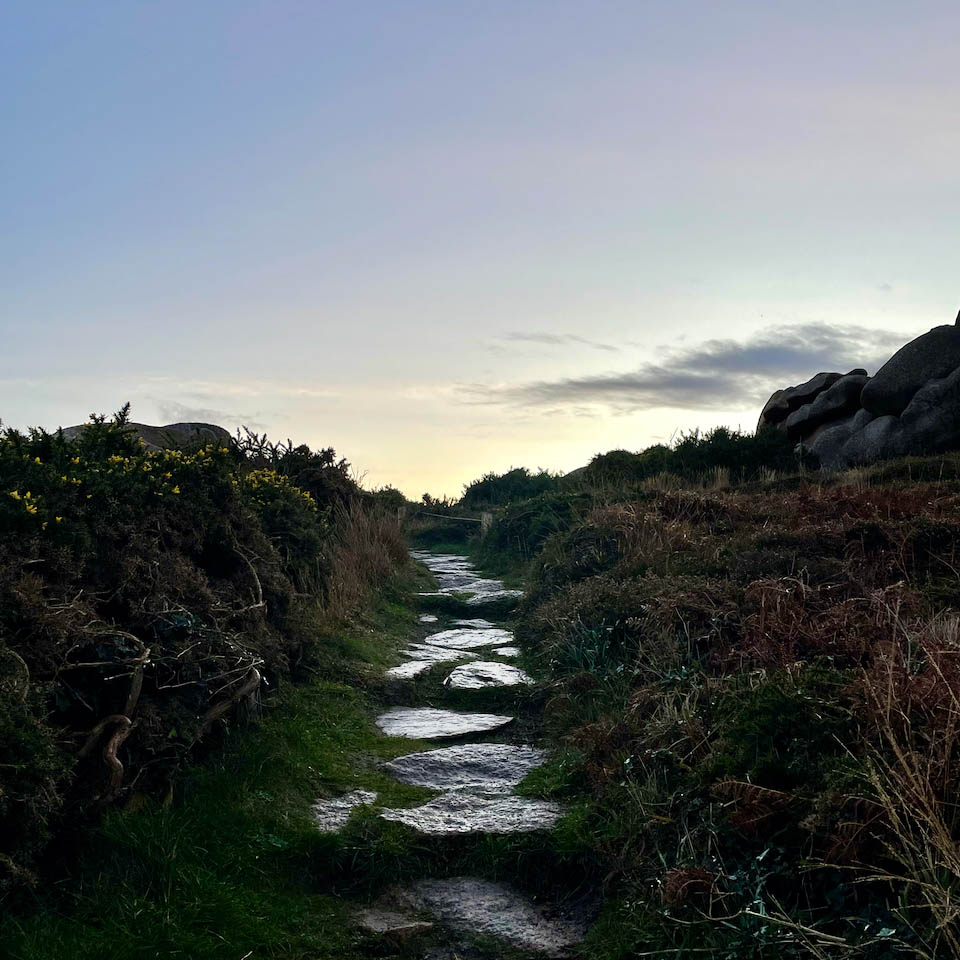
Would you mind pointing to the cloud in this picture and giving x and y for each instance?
(557, 340)
(717, 374)
(173, 412)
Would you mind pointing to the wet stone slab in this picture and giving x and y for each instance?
(507, 651)
(331, 815)
(486, 673)
(410, 669)
(427, 723)
(461, 813)
(466, 638)
(488, 768)
(466, 581)
(492, 909)
(476, 624)
(428, 651)
(425, 556)
(494, 596)
(394, 927)
(428, 618)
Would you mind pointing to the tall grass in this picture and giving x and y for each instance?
(368, 545)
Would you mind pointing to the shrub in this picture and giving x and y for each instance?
(697, 458)
(147, 595)
(499, 489)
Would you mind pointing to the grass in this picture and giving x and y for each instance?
(233, 866)
(752, 695)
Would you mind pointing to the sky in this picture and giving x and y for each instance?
(447, 237)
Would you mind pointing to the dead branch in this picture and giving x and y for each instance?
(220, 709)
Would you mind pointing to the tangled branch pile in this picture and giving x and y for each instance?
(147, 595)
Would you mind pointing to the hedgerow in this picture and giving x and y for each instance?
(147, 596)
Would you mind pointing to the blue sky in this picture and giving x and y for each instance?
(453, 237)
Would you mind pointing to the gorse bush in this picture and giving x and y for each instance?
(498, 489)
(148, 594)
(697, 457)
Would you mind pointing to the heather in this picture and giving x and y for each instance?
(754, 690)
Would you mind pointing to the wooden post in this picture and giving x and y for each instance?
(486, 519)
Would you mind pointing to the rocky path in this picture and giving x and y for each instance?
(475, 779)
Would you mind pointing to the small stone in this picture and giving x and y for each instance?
(507, 651)
(462, 813)
(486, 673)
(428, 723)
(476, 624)
(332, 815)
(396, 928)
(428, 618)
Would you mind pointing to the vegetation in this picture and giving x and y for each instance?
(234, 864)
(149, 596)
(756, 692)
(751, 689)
(718, 457)
(498, 489)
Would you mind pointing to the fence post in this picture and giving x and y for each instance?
(486, 518)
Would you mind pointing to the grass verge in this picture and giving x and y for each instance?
(234, 867)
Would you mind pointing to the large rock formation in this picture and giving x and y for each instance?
(911, 406)
(172, 435)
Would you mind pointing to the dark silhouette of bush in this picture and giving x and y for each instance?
(499, 489)
(695, 456)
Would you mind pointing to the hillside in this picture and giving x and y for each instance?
(734, 687)
(753, 697)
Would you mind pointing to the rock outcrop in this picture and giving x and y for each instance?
(171, 435)
(933, 356)
(911, 406)
(784, 402)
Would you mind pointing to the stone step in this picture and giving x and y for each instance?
(428, 723)
(488, 768)
(461, 813)
(471, 906)
(486, 674)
